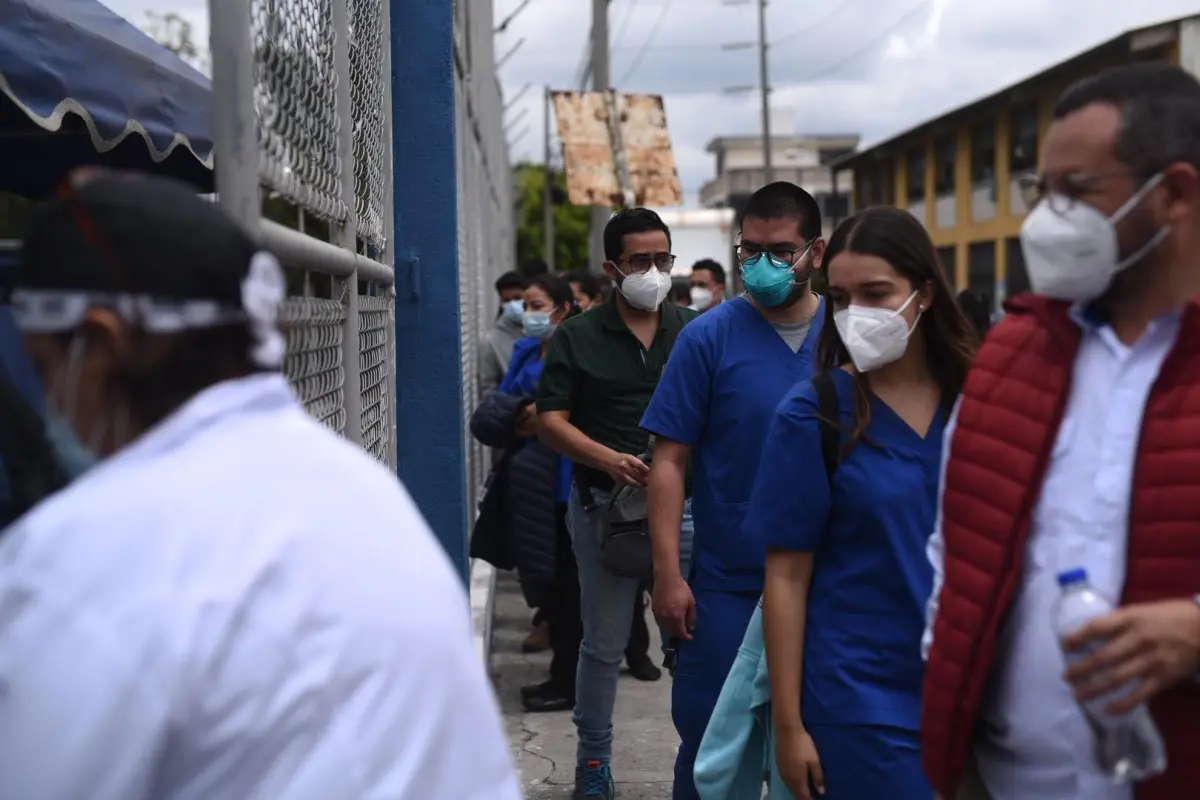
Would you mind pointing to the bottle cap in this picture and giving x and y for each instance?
(1072, 576)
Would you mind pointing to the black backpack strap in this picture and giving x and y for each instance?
(831, 435)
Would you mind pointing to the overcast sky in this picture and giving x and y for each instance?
(872, 67)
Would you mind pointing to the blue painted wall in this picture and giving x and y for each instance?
(430, 448)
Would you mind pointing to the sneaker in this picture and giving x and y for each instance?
(594, 781)
(642, 668)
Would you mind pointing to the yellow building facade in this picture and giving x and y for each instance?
(959, 173)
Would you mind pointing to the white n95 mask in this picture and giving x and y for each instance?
(874, 337)
(1074, 254)
(646, 290)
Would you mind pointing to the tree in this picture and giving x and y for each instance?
(571, 223)
(175, 33)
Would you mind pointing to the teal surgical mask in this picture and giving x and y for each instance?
(769, 279)
(537, 325)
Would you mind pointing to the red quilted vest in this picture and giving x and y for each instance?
(1011, 408)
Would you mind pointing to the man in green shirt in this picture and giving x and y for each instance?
(598, 377)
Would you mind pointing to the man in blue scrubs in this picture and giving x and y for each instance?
(718, 393)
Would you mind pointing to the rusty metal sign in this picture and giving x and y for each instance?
(616, 149)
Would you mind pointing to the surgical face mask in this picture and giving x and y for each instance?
(769, 279)
(646, 290)
(702, 298)
(513, 310)
(874, 337)
(1074, 254)
(537, 325)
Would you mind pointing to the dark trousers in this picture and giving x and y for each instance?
(562, 612)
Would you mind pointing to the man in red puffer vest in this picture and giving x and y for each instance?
(1076, 443)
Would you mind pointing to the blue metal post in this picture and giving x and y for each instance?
(431, 452)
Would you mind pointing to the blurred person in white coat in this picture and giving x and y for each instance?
(234, 602)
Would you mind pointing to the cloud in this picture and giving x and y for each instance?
(872, 67)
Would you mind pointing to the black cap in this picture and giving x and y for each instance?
(130, 233)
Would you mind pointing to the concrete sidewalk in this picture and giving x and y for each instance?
(544, 744)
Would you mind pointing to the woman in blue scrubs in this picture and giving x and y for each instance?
(846, 577)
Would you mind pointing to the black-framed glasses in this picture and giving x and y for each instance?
(642, 262)
(744, 251)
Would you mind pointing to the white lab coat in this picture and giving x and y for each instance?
(240, 605)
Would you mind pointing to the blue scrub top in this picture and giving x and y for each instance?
(524, 372)
(727, 373)
(871, 578)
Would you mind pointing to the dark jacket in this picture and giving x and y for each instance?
(517, 518)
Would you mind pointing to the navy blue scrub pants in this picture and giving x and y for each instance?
(701, 669)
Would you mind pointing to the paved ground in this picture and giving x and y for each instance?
(544, 744)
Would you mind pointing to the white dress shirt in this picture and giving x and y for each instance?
(1035, 743)
(239, 606)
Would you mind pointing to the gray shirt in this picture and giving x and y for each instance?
(495, 354)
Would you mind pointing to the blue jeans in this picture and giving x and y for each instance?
(606, 602)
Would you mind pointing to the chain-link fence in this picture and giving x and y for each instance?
(486, 235)
(303, 113)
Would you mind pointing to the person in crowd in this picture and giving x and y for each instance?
(599, 375)
(1074, 446)
(712, 408)
(845, 500)
(708, 284)
(681, 292)
(179, 621)
(495, 351)
(978, 308)
(587, 289)
(525, 505)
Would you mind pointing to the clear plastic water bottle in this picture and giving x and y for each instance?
(1128, 747)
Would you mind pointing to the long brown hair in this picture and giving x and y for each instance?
(896, 236)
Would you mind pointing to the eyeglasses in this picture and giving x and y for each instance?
(1065, 190)
(642, 262)
(744, 251)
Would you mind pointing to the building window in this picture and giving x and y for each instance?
(1016, 279)
(949, 258)
(887, 183)
(945, 169)
(1023, 156)
(983, 171)
(916, 175)
(981, 270)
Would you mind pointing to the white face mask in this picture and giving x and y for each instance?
(701, 298)
(874, 337)
(647, 290)
(1074, 255)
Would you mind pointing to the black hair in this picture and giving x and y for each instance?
(629, 221)
(533, 268)
(125, 233)
(712, 266)
(511, 280)
(559, 290)
(681, 289)
(589, 284)
(895, 235)
(780, 200)
(1160, 113)
(978, 310)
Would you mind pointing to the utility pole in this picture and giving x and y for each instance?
(764, 88)
(601, 82)
(547, 190)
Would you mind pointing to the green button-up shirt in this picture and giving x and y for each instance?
(600, 372)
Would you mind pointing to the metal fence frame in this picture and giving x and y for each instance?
(242, 168)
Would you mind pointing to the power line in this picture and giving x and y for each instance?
(814, 24)
(885, 33)
(624, 25)
(654, 29)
